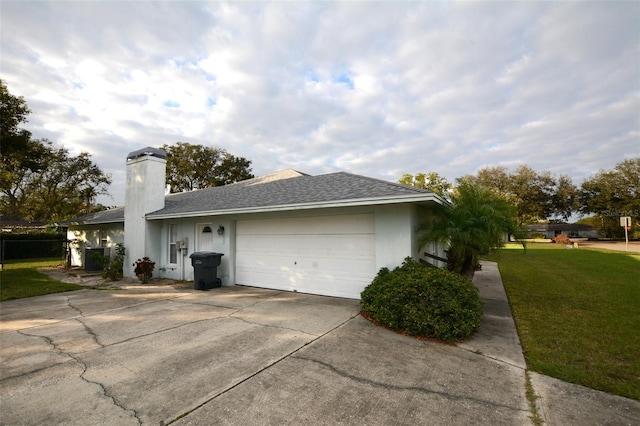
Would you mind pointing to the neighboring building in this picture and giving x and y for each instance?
(7, 225)
(551, 230)
(327, 234)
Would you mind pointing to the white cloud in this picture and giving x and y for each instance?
(380, 88)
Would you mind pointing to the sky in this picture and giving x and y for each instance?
(373, 88)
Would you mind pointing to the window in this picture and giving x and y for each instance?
(173, 243)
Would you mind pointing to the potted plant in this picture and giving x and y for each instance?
(144, 269)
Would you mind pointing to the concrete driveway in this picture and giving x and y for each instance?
(241, 355)
(235, 355)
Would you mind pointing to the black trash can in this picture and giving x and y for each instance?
(205, 269)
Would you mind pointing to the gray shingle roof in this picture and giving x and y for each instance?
(114, 215)
(288, 188)
(283, 192)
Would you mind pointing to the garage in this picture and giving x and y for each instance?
(325, 255)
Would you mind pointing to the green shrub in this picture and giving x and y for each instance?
(422, 301)
(112, 267)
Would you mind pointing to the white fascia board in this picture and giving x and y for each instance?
(101, 222)
(306, 206)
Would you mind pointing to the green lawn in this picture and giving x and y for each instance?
(577, 313)
(20, 279)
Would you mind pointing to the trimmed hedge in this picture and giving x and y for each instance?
(423, 301)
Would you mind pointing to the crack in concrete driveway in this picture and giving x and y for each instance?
(241, 355)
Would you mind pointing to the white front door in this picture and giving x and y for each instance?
(204, 237)
(327, 255)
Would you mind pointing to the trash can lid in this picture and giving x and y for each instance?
(203, 254)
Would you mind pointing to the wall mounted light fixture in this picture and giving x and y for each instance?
(220, 230)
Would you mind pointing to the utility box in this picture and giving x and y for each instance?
(205, 269)
(90, 264)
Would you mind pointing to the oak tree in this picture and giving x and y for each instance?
(610, 194)
(38, 181)
(191, 167)
(537, 196)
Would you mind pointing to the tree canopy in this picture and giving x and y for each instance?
(537, 196)
(191, 167)
(431, 181)
(612, 194)
(13, 113)
(38, 181)
(542, 196)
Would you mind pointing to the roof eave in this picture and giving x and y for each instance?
(101, 222)
(417, 198)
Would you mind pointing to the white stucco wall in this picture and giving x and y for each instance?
(145, 192)
(93, 236)
(186, 229)
(395, 237)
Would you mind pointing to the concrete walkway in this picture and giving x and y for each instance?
(558, 403)
(162, 354)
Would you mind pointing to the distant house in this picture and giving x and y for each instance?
(10, 225)
(326, 234)
(551, 230)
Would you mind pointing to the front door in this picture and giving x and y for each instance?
(204, 237)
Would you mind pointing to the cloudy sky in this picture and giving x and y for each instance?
(373, 88)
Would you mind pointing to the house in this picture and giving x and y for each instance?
(328, 234)
(12, 225)
(551, 230)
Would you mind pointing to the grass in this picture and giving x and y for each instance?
(577, 313)
(20, 279)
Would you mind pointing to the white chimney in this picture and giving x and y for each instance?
(146, 172)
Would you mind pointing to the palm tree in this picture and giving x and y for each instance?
(475, 223)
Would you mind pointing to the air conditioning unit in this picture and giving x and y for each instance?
(90, 264)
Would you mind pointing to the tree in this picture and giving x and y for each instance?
(537, 196)
(566, 198)
(62, 186)
(191, 167)
(431, 181)
(612, 194)
(477, 222)
(13, 113)
(39, 182)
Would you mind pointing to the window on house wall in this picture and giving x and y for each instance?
(103, 238)
(173, 243)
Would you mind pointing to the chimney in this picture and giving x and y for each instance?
(146, 172)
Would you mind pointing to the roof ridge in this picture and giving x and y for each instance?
(286, 174)
(397, 185)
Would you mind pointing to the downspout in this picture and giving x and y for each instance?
(183, 254)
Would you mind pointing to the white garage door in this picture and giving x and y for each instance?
(331, 256)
